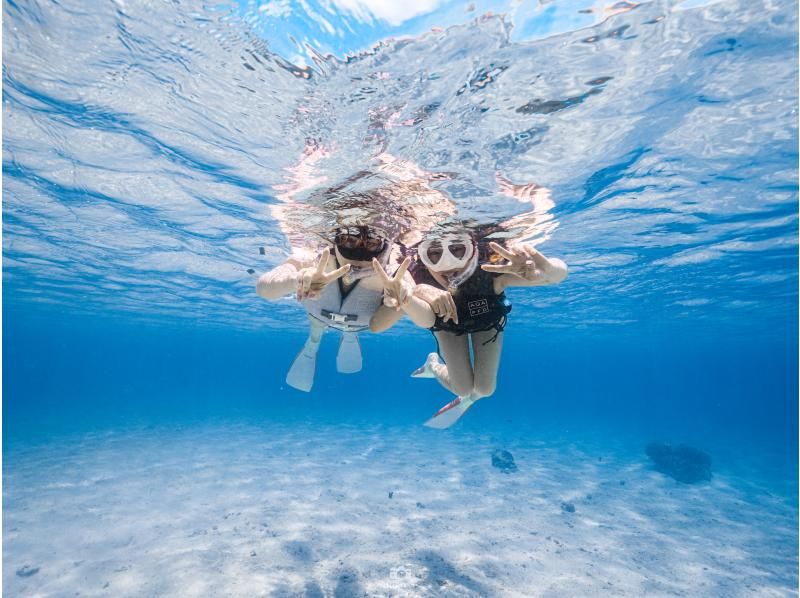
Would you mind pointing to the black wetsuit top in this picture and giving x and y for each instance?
(479, 307)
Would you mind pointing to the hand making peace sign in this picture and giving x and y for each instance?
(524, 262)
(311, 281)
(395, 292)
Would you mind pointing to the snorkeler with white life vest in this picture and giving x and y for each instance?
(342, 291)
(465, 291)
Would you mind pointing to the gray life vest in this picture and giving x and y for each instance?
(351, 312)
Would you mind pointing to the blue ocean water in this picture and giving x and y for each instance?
(158, 157)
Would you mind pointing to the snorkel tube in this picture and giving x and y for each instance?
(356, 274)
(456, 279)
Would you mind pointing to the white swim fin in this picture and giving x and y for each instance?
(450, 413)
(426, 371)
(348, 359)
(301, 374)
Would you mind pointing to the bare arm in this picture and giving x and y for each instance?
(398, 294)
(526, 268)
(552, 276)
(306, 280)
(384, 318)
(279, 281)
(441, 302)
(419, 312)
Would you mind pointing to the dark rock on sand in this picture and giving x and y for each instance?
(348, 585)
(27, 571)
(299, 550)
(312, 590)
(682, 463)
(504, 461)
(567, 507)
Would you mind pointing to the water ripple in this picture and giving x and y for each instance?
(158, 156)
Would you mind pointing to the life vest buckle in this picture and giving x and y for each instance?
(338, 318)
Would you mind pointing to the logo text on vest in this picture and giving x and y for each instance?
(476, 308)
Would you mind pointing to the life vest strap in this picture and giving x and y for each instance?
(340, 324)
(338, 318)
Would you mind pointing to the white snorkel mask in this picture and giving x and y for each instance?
(451, 252)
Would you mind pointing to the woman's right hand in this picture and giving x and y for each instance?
(441, 302)
(395, 291)
(312, 281)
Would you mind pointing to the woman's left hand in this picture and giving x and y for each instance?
(523, 262)
(395, 292)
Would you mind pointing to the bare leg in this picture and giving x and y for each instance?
(317, 329)
(487, 362)
(456, 373)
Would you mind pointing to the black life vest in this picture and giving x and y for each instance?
(479, 307)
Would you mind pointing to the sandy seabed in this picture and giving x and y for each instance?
(299, 510)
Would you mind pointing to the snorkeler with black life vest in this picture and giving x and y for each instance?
(463, 283)
(342, 291)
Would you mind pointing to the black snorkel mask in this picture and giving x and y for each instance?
(360, 243)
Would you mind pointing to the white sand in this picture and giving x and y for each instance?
(305, 511)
